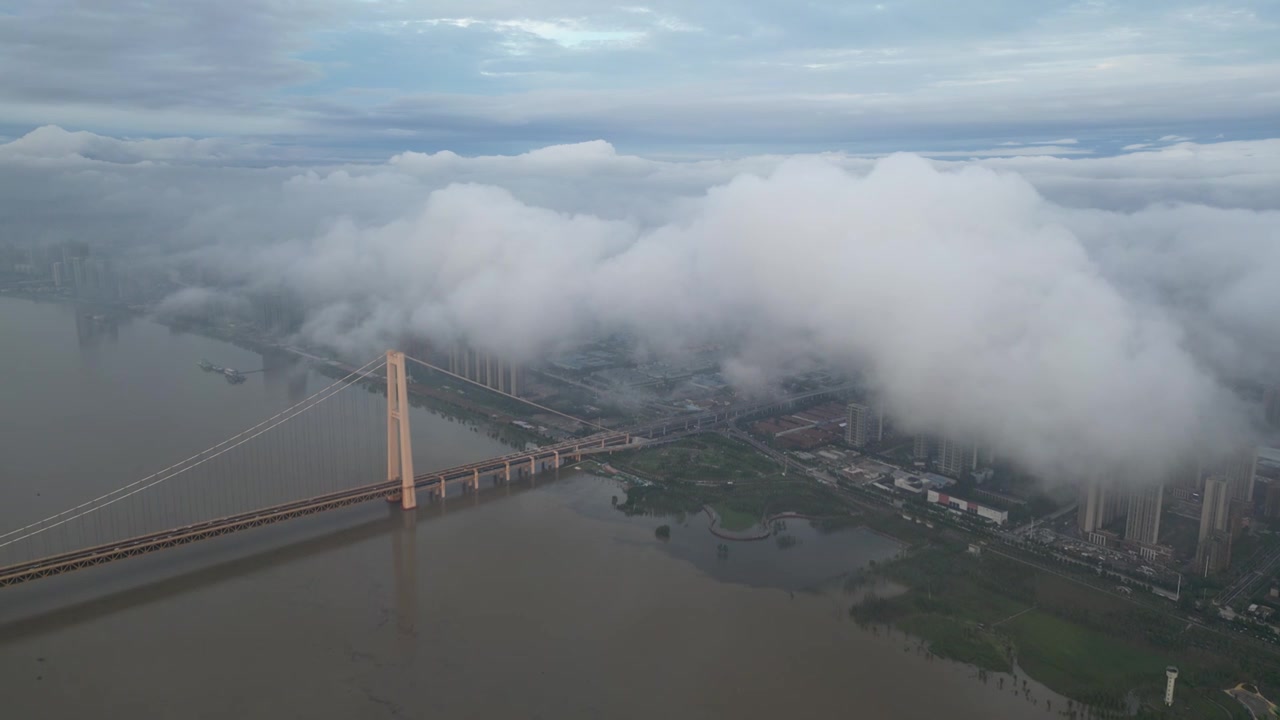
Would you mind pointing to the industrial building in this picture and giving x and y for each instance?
(999, 517)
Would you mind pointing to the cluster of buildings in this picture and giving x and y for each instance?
(483, 368)
(1112, 514)
(70, 269)
(1222, 495)
(865, 428)
(926, 486)
(495, 373)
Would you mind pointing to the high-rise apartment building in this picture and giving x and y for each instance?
(1101, 503)
(957, 459)
(1213, 551)
(77, 272)
(1093, 498)
(865, 425)
(1143, 522)
(1214, 514)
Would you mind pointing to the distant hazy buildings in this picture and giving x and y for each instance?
(277, 312)
(1239, 469)
(922, 447)
(1271, 405)
(865, 425)
(1271, 499)
(486, 369)
(1143, 522)
(957, 459)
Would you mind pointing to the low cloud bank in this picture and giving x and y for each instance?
(1080, 316)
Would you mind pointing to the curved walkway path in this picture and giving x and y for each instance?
(761, 531)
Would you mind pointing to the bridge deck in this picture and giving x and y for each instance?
(143, 544)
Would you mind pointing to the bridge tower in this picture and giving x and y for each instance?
(399, 443)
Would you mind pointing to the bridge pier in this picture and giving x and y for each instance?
(475, 480)
(506, 472)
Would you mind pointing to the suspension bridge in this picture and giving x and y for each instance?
(304, 460)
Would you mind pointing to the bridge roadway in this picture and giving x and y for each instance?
(538, 459)
(535, 460)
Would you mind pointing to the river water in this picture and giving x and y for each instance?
(532, 600)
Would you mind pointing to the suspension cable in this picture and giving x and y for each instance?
(361, 371)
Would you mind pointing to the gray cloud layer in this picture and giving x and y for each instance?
(1077, 314)
(360, 74)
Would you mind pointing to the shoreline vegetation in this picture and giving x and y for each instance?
(1000, 616)
(728, 480)
(1003, 617)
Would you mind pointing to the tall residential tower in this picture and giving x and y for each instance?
(865, 426)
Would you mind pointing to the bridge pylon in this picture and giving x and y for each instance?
(399, 442)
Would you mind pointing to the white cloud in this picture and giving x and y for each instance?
(53, 143)
(1008, 151)
(565, 32)
(1073, 312)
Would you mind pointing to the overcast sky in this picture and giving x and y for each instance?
(363, 78)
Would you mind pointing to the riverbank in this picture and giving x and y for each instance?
(712, 471)
(991, 612)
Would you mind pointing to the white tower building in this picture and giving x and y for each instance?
(1171, 673)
